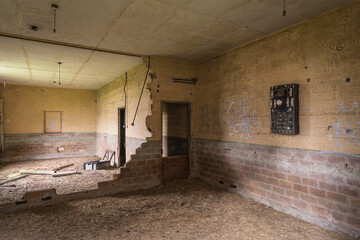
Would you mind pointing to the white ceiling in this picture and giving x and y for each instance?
(191, 30)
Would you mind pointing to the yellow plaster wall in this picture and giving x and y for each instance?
(112, 96)
(24, 108)
(164, 89)
(232, 94)
(232, 98)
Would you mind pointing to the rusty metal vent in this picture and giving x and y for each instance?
(184, 80)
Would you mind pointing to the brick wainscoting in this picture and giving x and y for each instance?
(320, 187)
(40, 146)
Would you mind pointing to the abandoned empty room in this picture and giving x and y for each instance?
(180, 119)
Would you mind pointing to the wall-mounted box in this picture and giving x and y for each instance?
(284, 104)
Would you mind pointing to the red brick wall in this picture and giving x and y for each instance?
(324, 185)
(40, 146)
(144, 167)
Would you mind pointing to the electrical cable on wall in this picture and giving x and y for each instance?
(126, 111)
(142, 90)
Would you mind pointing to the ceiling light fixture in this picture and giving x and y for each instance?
(59, 73)
(54, 7)
(284, 12)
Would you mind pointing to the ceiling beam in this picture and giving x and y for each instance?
(65, 44)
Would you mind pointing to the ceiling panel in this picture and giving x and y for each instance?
(12, 53)
(13, 75)
(8, 17)
(109, 64)
(38, 64)
(46, 56)
(78, 21)
(192, 30)
(171, 29)
(212, 8)
(266, 16)
(44, 76)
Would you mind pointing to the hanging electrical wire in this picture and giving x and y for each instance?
(284, 11)
(142, 90)
(54, 7)
(59, 73)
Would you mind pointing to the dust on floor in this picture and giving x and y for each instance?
(86, 180)
(186, 209)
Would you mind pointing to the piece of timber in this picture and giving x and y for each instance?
(60, 174)
(13, 179)
(62, 167)
(37, 172)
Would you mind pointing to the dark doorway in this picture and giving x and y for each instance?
(121, 136)
(175, 140)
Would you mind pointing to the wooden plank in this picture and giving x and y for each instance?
(62, 167)
(37, 172)
(13, 179)
(60, 174)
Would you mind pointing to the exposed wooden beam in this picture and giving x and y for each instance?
(65, 44)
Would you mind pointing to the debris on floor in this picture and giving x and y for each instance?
(106, 162)
(186, 209)
(53, 173)
(11, 175)
(60, 174)
(95, 165)
(12, 185)
(35, 172)
(19, 176)
(87, 180)
(62, 167)
(109, 155)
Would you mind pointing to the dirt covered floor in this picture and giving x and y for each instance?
(86, 180)
(186, 209)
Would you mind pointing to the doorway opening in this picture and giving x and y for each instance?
(175, 124)
(121, 138)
